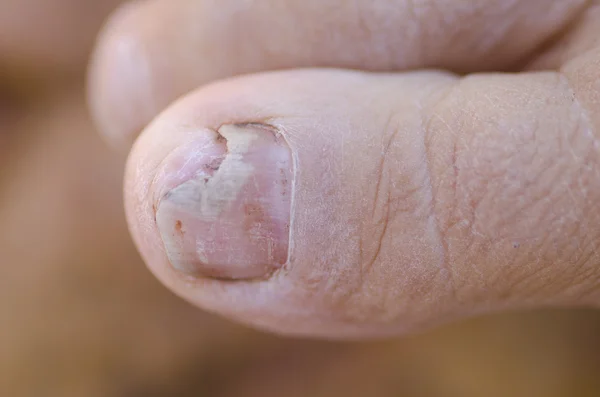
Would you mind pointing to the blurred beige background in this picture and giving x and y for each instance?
(81, 316)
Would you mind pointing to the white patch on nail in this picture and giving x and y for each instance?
(211, 197)
(201, 251)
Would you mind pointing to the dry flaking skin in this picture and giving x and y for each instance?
(231, 220)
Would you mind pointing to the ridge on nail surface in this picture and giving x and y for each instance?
(231, 219)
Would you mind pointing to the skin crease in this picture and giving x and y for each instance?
(71, 284)
(73, 301)
(152, 52)
(422, 264)
(421, 197)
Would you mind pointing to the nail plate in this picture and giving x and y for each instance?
(231, 220)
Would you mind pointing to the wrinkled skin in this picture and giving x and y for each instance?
(85, 318)
(420, 196)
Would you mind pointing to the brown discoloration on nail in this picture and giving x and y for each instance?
(220, 138)
(215, 163)
(179, 227)
(236, 207)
